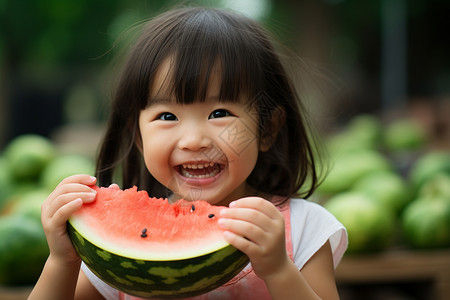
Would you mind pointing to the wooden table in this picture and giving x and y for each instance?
(390, 267)
(14, 293)
(395, 266)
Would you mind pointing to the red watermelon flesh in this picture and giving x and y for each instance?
(132, 224)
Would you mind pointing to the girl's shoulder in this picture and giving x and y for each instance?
(299, 205)
(311, 227)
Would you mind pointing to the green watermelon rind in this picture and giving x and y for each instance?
(155, 278)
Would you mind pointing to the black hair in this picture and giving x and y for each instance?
(198, 38)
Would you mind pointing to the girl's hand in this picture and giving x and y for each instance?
(256, 227)
(67, 197)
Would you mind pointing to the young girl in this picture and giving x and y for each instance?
(205, 110)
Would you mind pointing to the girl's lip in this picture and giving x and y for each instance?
(199, 173)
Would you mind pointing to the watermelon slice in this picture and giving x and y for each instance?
(148, 247)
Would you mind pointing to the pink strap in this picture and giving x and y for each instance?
(285, 210)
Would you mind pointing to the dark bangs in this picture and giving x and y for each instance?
(198, 41)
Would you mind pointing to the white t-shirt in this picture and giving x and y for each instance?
(311, 227)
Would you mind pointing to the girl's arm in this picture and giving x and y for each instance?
(85, 290)
(59, 277)
(64, 282)
(315, 281)
(57, 281)
(256, 227)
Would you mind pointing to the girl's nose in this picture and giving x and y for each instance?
(194, 138)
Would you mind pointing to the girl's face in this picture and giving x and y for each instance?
(200, 151)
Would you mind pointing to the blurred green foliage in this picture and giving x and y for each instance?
(53, 32)
(50, 50)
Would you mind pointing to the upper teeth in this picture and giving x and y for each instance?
(198, 166)
(205, 170)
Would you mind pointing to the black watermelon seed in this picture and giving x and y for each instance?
(211, 216)
(192, 208)
(144, 230)
(144, 235)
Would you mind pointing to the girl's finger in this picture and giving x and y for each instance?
(245, 229)
(56, 223)
(50, 207)
(79, 178)
(114, 186)
(257, 203)
(241, 243)
(64, 212)
(70, 187)
(249, 215)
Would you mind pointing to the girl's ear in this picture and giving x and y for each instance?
(137, 135)
(138, 141)
(272, 128)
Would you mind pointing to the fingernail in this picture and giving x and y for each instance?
(232, 204)
(91, 197)
(228, 235)
(92, 178)
(221, 222)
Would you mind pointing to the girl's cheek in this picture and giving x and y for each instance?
(238, 137)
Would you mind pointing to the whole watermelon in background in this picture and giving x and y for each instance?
(28, 204)
(426, 220)
(404, 135)
(362, 132)
(24, 163)
(370, 226)
(28, 155)
(426, 223)
(347, 168)
(436, 187)
(386, 187)
(64, 166)
(23, 250)
(427, 166)
(392, 164)
(5, 182)
(148, 247)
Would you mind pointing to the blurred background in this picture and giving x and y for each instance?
(380, 90)
(377, 55)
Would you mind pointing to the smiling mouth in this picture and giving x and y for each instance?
(199, 170)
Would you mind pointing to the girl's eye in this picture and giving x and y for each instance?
(219, 113)
(167, 116)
